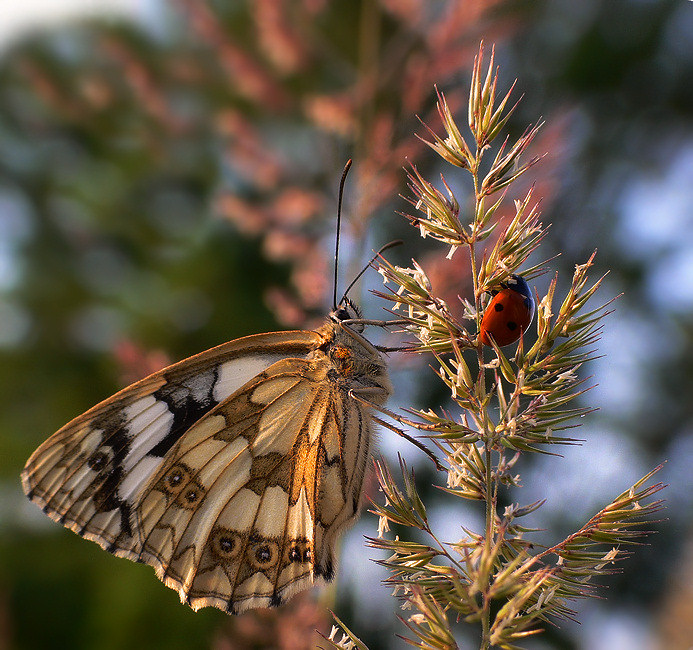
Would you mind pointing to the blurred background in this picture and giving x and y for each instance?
(168, 181)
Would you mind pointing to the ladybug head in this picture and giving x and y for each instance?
(519, 284)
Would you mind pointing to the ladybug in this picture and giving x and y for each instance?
(509, 313)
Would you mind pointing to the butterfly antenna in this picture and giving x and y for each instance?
(347, 167)
(392, 244)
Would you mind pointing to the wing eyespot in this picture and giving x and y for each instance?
(263, 554)
(190, 496)
(176, 478)
(299, 551)
(226, 544)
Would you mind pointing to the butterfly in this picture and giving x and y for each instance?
(233, 472)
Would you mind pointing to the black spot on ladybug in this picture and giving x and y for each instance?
(511, 325)
(498, 306)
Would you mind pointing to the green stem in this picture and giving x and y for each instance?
(488, 477)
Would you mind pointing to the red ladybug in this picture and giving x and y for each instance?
(509, 313)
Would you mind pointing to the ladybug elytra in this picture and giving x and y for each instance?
(509, 313)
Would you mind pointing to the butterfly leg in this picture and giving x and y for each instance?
(362, 395)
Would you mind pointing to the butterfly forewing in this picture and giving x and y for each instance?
(102, 456)
(232, 472)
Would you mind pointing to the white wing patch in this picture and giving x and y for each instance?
(289, 413)
(234, 374)
(271, 516)
(138, 476)
(148, 422)
(299, 521)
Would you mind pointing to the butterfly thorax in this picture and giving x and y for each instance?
(354, 362)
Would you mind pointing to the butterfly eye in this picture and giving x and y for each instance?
(342, 314)
(346, 310)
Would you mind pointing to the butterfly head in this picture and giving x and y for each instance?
(347, 310)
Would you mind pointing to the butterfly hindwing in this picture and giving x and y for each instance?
(231, 473)
(224, 533)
